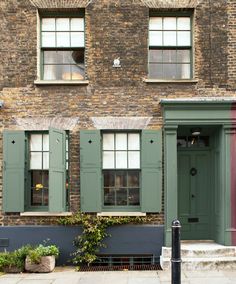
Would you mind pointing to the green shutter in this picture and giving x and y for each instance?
(57, 170)
(151, 168)
(90, 170)
(13, 171)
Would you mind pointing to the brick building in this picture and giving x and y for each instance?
(119, 108)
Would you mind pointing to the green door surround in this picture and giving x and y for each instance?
(199, 112)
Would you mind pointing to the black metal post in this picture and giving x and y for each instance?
(176, 253)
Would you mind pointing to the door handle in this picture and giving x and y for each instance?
(193, 195)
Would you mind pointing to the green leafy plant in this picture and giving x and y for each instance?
(94, 232)
(39, 251)
(15, 259)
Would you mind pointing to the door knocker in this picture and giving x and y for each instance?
(193, 171)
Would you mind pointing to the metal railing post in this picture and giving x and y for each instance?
(176, 253)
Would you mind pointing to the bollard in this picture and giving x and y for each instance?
(175, 253)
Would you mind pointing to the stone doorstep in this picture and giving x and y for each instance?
(227, 251)
(210, 263)
(202, 255)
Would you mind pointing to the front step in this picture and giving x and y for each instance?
(201, 256)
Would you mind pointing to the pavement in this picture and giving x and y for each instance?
(70, 276)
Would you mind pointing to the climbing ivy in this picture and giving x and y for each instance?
(94, 231)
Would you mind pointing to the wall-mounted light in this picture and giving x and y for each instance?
(116, 62)
(196, 131)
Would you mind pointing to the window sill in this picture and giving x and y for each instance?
(61, 82)
(190, 81)
(121, 214)
(47, 214)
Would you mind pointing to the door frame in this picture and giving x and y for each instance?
(220, 112)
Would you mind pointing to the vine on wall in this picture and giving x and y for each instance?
(94, 231)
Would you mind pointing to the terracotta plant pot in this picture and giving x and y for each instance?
(47, 264)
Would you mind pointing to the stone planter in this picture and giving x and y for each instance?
(47, 264)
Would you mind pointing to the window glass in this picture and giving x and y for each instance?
(108, 142)
(169, 38)
(121, 151)
(48, 24)
(170, 48)
(77, 24)
(155, 23)
(108, 160)
(169, 23)
(121, 141)
(62, 24)
(121, 160)
(183, 23)
(48, 39)
(36, 142)
(133, 141)
(35, 161)
(134, 160)
(77, 39)
(65, 38)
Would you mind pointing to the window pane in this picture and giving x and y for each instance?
(121, 160)
(36, 178)
(77, 56)
(109, 196)
(169, 55)
(155, 71)
(108, 160)
(63, 39)
(133, 141)
(59, 57)
(36, 142)
(121, 179)
(133, 196)
(48, 24)
(183, 56)
(121, 196)
(45, 178)
(169, 71)
(183, 71)
(46, 161)
(183, 23)
(63, 24)
(155, 38)
(155, 23)
(155, 55)
(134, 160)
(45, 142)
(35, 161)
(169, 38)
(57, 72)
(169, 23)
(133, 179)
(184, 39)
(77, 24)
(48, 39)
(77, 72)
(108, 141)
(77, 39)
(109, 179)
(121, 141)
(49, 72)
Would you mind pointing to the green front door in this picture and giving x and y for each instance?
(194, 194)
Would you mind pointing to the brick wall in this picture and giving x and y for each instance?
(113, 29)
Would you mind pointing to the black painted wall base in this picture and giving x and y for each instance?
(124, 240)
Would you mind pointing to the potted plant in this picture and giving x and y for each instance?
(41, 258)
(13, 262)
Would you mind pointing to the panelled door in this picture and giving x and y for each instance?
(194, 194)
